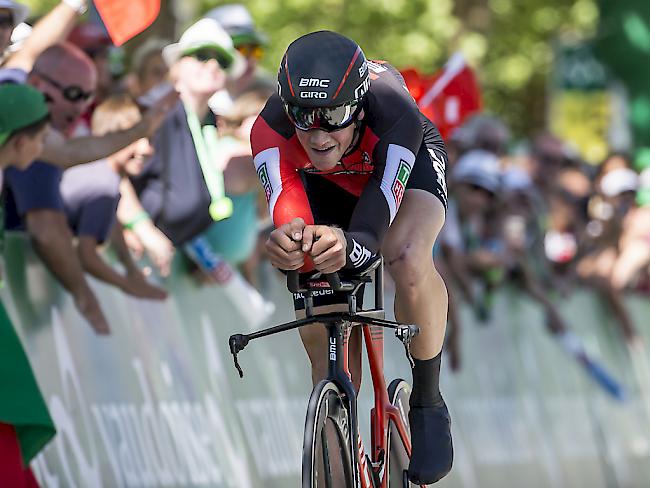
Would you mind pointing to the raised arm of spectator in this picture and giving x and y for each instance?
(132, 282)
(52, 28)
(131, 214)
(52, 241)
(66, 153)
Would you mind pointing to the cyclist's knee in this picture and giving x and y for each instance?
(409, 266)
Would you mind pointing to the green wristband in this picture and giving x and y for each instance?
(139, 217)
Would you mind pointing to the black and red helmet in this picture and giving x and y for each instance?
(323, 69)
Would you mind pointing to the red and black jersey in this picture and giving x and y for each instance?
(376, 171)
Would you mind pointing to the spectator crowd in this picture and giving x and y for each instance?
(539, 217)
(152, 158)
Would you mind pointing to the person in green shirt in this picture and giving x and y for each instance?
(25, 423)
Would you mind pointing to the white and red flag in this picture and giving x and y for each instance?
(449, 96)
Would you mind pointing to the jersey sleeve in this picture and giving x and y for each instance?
(283, 187)
(394, 156)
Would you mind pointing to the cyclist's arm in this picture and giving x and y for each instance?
(285, 193)
(379, 202)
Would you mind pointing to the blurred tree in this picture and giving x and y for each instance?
(623, 43)
(507, 41)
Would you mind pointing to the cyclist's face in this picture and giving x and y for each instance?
(325, 149)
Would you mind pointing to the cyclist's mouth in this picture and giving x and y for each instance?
(323, 151)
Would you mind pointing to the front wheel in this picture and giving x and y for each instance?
(399, 392)
(327, 452)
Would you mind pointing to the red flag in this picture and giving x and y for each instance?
(449, 96)
(125, 19)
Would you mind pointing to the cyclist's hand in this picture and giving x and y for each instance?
(327, 247)
(283, 245)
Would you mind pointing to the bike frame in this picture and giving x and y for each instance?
(339, 326)
(383, 411)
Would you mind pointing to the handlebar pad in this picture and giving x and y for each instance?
(293, 282)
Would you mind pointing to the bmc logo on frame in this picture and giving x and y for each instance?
(401, 178)
(263, 175)
(314, 82)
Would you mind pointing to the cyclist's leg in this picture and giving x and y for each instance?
(421, 295)
(421, 298)
(315, 340)
(330, 205)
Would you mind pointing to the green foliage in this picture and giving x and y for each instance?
(39, 7)
(507, 41)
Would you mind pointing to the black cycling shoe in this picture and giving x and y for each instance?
(432, 452)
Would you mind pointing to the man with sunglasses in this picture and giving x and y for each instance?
(237, 21)
(351, 168)
(180, 188)
(67, 79)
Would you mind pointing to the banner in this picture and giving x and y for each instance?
(581, 103)
(158, 403)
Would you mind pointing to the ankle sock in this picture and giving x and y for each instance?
(426, 383)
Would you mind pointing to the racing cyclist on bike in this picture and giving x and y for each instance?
(351, 168)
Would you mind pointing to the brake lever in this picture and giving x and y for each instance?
(406, 333)
(237, 344)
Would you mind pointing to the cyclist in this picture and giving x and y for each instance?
(351, 168)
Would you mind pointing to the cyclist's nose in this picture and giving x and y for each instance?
(319, 137)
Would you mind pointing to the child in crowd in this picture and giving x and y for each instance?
(91, 194)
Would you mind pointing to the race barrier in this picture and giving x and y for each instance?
(158, 403)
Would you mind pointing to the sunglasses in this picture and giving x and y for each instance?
(6, 21)
(207, 54)
(72, 93)
(328, 119)
(254, 51)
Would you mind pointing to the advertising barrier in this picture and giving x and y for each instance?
(158, 403)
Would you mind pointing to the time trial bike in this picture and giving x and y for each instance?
(334, 455)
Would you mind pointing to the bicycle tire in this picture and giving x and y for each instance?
(399, 392)
(327, 452)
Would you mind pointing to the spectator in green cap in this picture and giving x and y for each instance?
(25, 424)
(24, 123)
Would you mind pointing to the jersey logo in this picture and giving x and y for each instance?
(401, 178)
(359, 255)
(263, 175)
